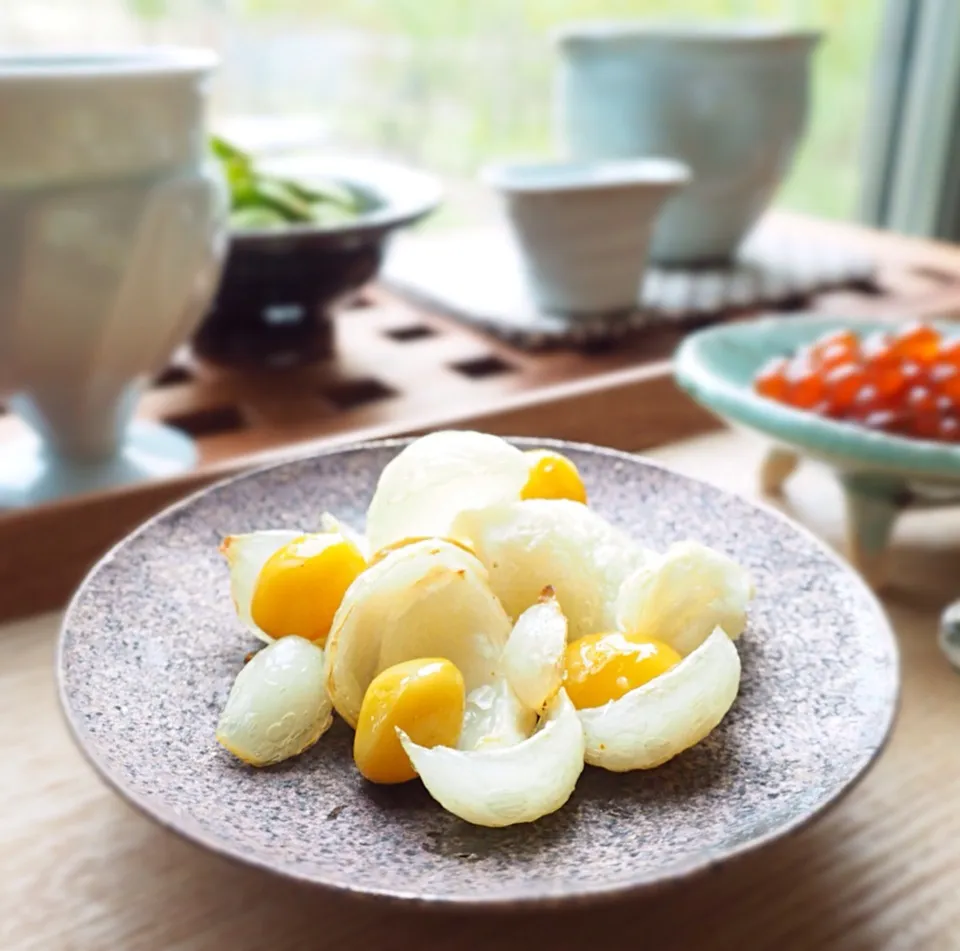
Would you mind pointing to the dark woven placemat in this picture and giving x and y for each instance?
(474, 276)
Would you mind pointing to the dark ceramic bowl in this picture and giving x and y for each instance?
(150, 646)
(272, 308)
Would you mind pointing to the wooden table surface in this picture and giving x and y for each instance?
(81, 870)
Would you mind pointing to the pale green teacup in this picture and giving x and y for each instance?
(728, 99)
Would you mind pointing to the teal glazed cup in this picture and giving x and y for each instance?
(728, 100)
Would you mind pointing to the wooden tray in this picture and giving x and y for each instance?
(401, 370)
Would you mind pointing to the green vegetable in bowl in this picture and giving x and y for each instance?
(261, 200)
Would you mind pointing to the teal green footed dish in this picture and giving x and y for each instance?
(881, 474)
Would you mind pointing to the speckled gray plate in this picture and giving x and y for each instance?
(150, 646)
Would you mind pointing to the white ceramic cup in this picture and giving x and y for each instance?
(728, 99)
(583, 228)
(112, 231)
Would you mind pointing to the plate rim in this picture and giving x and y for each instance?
(571, 894)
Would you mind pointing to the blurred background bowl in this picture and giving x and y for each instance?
(881, 473)
(279, 284)
(716, 367)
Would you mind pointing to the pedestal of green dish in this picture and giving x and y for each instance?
(777, 466)
(873, 504)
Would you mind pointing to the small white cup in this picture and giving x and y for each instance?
(583, 228)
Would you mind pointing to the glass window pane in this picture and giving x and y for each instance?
(447, 84)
